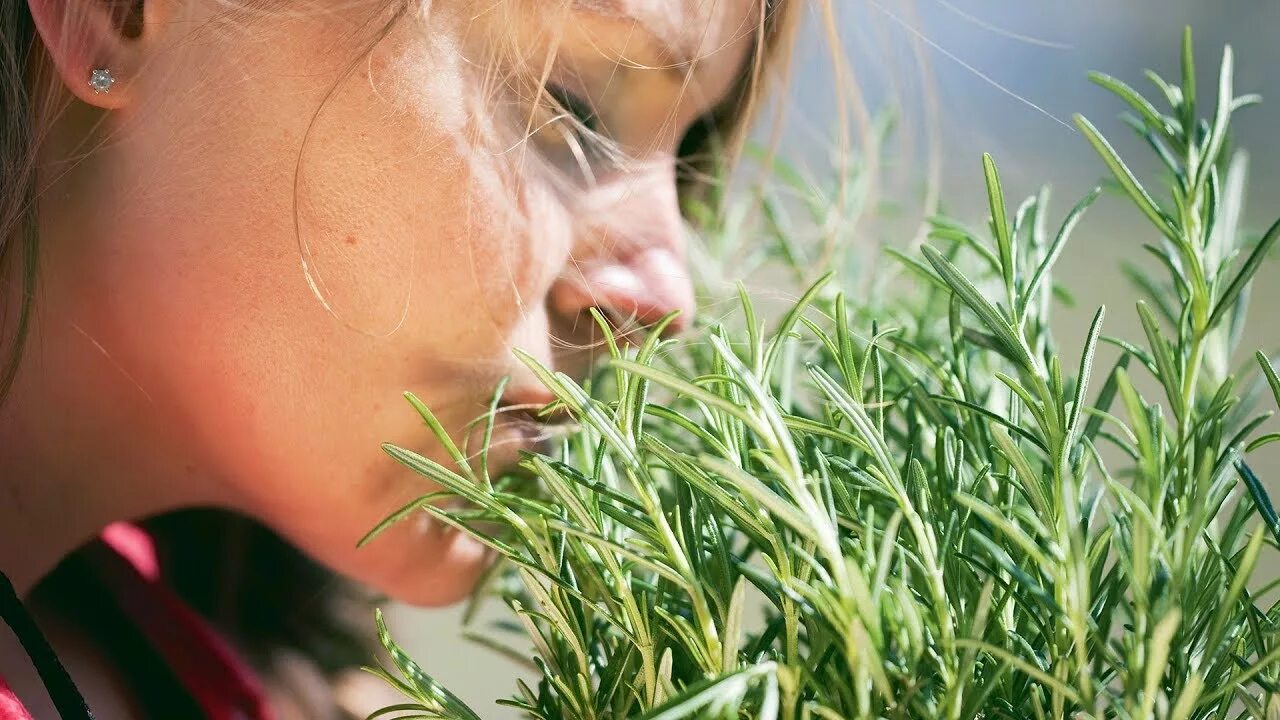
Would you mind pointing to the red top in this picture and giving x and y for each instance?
(219, 682)
(10, 708)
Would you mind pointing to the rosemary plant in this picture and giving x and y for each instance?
(919, 507)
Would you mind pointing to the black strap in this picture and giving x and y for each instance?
(62, 690)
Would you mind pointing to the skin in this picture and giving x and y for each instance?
(274, 225)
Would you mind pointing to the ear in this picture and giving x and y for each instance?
(86, 35)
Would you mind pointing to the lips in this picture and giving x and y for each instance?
(527, 397)
(520, 427)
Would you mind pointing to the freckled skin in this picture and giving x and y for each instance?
(283, 233)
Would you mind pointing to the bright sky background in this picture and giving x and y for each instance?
(992, 60)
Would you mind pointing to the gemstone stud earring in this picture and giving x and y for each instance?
(101, 80)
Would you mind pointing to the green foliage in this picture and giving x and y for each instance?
(916, 507)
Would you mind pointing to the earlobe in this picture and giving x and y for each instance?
(91, 46)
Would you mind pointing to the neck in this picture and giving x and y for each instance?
(62, 480)
(30, 544)
(47, 511)
(88, 433)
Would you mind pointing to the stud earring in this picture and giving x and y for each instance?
(101, 80)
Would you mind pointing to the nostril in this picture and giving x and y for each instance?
(632, 293)
(631, 329)
(641, 322)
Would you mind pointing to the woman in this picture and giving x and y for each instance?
(234, 232)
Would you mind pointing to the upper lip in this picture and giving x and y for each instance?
(522, 427)
(529, 403)
(531, 398)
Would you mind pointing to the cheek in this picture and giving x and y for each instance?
(413, 210)
(360, 223)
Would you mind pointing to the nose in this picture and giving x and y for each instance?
(630, 263)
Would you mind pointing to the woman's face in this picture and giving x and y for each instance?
(295, 216)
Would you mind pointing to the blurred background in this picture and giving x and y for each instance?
(1005, 77)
